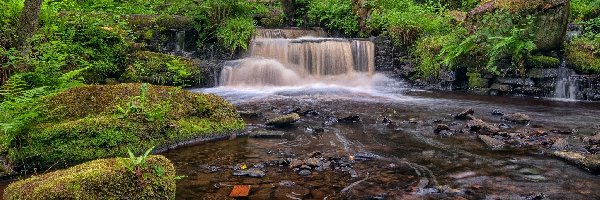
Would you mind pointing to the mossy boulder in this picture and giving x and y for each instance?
(581, 55)
(541, 61)
(161, 69)
(101, 179)
(550, 18)
(91, 122)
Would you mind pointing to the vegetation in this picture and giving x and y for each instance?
(101, 179)
(161, 69)
(90, 122)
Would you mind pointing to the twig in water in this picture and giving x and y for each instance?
(355, 184)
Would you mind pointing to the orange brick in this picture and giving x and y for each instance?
(240, 191)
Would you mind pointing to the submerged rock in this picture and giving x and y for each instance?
(519, 118)
(464, 114)
(267, 134)
(350, 119)
(492, 142)
(283, 120)
(586, 161)
(440, 128)
(594, 140)
(101, 179)
(480, 126)
(256, 173)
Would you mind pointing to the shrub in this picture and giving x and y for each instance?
(334, 14)
(582, 55)
(100, 179)
(236, 33)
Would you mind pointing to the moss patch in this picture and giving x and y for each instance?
(161, 69)
(475, 81)
(581, 55)
(101, 179)
(543, 62)
(91, 122)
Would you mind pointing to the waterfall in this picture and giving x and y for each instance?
(274, 60)
(566, 84)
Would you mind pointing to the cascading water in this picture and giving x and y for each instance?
(566, 85)
(276, 61)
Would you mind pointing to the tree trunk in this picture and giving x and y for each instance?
(28, 23)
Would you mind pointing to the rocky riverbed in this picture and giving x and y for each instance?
(413, 144)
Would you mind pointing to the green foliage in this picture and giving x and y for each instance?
(406, 21)
(139, 162)
(475, 80)
(11, 10)
(90, 122)
(541, 61)
(100, 179)
(161, 69)
(236, 33)
(583, 54)
(334, 14)
(582, 10)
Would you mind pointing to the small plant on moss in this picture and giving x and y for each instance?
(138, 162)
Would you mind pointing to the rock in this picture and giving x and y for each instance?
(296, 163)
(313, 162)
(256, 173)
(594, 140)
(462, 175)
(267, 134)
(519, 118)
(559, 144)
(497, 112)
(330, 121)
(501, 87)
(239, 191)
(366, 156)
(353, 173)
(100, 179)
(284, 120)
(250, 114)
(480, 126)
(585, 161)
(463, 115)
(310, 112)
(543, 73)
(441, 127)
(491, 142)
(287, 183)
(350, 119)
(550, 22)
(304, 172)
(504, 126)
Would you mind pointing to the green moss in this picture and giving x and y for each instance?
(475, 81)
(91, 122)
(100, 179)
(161, 69)
(543, 62)
(581, 55)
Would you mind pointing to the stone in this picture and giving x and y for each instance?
(560, 144)
(250, 113)
(515, 81)
(519, 118)
(586, 161)
(594, 140)
(463, 115)
(267, 134)
(350, 119)
(256, 173)
(480, 126)
(283, 120)
(313, 162)
(239, 191)
(441, 127)
(491, 142)
(501, 87)
(543, 73)
(304, 172)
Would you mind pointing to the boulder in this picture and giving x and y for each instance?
(492, 142)
(463, 115)
(478, 125)
(501, 87)
(116, 178)
(586, 161)
(543, 73)
(519, 118)
(550, 18)
(283, 120)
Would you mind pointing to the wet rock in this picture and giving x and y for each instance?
(350, 119)
(353, 173)
(313, 162)
(534, 178)
(413, 121)
(287, 183)
(284, 120)
(257, 173)
(501, 87)
(304, 172)
(519, 118)
(464, 114)
(586, 161)
(267, 134)
(560, 144)
(530, 171)
(292, 110)
(441, 127)
(480, 126)
(330, 121)
(594, 140)
(491, 142)
(310, 112)
(296, 163)
(250, 113)
(497, 112)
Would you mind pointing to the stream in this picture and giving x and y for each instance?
(386, 148)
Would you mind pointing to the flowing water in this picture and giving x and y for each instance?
(365, 136)
(566, 84)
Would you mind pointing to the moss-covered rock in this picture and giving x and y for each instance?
(90, 122)
(549, 23)
(161, 69)
(476, 81)
(581, 55)
(543, 62)
(101, 179)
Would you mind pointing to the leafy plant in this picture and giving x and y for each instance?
(334, 14)
(139, 162)
(236, 33)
